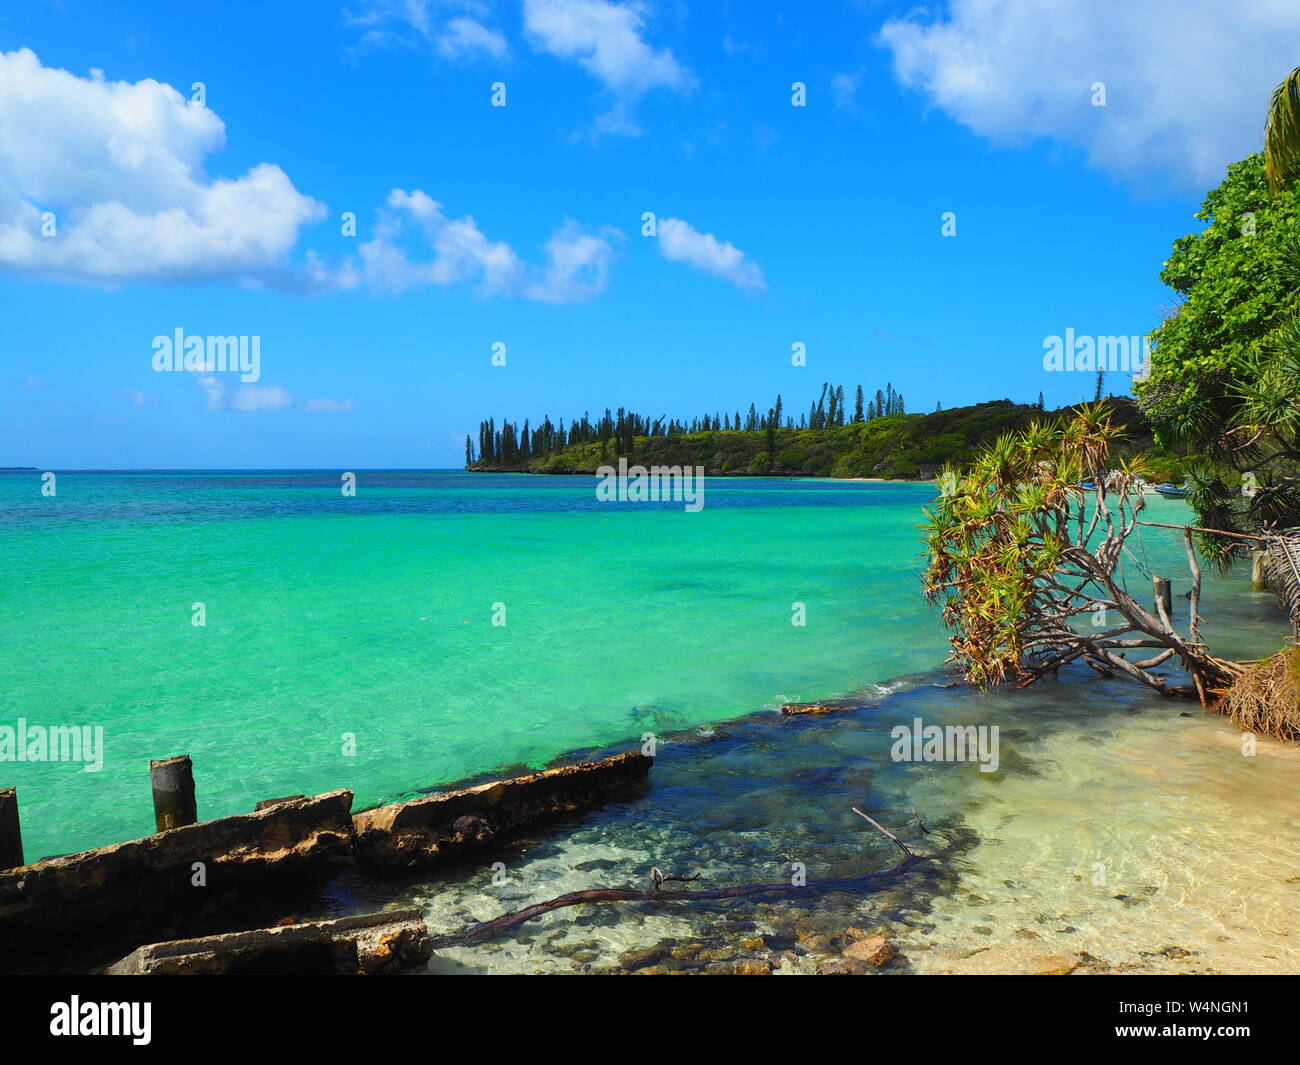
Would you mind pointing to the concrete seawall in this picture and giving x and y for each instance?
(220, 876)
(421, 831)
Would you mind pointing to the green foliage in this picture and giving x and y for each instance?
(1004, 560)
(891, 446)
(1236, 290)
(1225, 368)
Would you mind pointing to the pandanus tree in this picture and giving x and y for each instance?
(1027, 564)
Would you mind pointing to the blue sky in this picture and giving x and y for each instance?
(522, 224)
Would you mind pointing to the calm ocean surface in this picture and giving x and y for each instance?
(372, 616)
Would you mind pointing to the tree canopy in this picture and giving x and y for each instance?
(1225, 365)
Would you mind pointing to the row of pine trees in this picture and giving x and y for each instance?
(509, 444)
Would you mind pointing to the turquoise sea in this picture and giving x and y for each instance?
(371, 617)
(349, 642)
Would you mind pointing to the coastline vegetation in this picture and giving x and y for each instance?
(1018, 555)
(878, 440)
(1224, 384)
(1026, 564)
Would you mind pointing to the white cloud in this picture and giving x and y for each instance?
(325, 405)
(216, 390)
(248, 399)
(460, 251)
(406, 22)
(119, 167)
(1187, 85)
(605, 39)
(577, 265)
(464, 38)
(251, 398)
(576, 268)
(682, 242)
(134, 397)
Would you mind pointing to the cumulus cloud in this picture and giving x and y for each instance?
(577, 265)
(460, 250)
(1013, 71)
(103, 182)
(449, 250)
(683, 243)
(606, 40)
(113, 173)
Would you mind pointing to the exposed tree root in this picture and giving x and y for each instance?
(1265, 698)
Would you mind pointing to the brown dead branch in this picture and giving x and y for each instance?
(489, 929)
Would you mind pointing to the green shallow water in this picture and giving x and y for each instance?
(371, 617)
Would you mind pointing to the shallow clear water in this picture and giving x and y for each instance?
(1119, 825)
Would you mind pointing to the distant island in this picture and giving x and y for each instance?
(875, 439)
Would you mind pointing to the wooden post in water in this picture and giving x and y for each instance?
(11, 837)
(173, 792)
(1257, 572)
(1164, 594)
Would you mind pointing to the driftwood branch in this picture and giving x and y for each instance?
(488, 929)
(877, 825)
(1201, 529)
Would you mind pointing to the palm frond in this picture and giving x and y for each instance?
(1282, 132)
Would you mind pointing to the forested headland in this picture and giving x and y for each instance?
(868, 436)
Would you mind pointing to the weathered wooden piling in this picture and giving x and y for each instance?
(11, 837)
(1257, 582)
(1164, 592)
(174, 805)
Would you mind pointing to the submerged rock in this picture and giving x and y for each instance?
(876, 951)
(640, 959)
